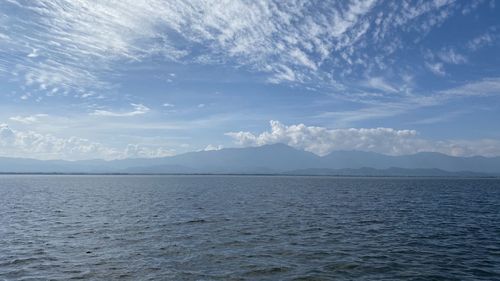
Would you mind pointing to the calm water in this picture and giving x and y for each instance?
(248, 228)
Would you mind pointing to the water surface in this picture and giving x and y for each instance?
(248, 228)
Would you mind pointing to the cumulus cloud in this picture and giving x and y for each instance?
(30, 144)
(139, 109)
(321, 140)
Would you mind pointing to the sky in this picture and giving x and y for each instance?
(134, 78)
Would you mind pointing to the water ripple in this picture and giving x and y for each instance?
(248, 228)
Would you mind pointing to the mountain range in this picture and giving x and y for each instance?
(271, 159)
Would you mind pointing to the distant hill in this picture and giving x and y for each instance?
(423, 160)
(391, 172)
(271, 159)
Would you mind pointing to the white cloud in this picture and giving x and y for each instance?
(303, 59)
(79, 43)
(480, 41)
(28, 119)
(201, 105)
(140, 151)
(321, 140)
(450, 55)
(4, 37)
(168, 105)
(483, 87)
(283, 74)
(139, 109)
(436, 68)
(212, 147)
(82, 45)
(33, 54)
(406, 102)
(30, 144)
(50, 74)
(380, 84)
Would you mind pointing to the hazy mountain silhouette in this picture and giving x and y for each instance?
(270, 159)
(390, 172)
(423, 160)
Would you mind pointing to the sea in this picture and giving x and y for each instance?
(125, 227)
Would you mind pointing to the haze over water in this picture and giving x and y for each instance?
(248, 228)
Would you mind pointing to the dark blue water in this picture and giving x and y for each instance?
(248, 228)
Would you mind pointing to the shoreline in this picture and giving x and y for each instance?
(240, 174)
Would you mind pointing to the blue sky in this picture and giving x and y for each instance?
(116, 79)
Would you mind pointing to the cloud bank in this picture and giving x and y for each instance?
(30, 144)
(321, 140)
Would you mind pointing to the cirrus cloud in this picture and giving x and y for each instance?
(139, 109)
(30, 119)
(77, 44)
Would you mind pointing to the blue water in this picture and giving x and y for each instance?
(248, 228)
